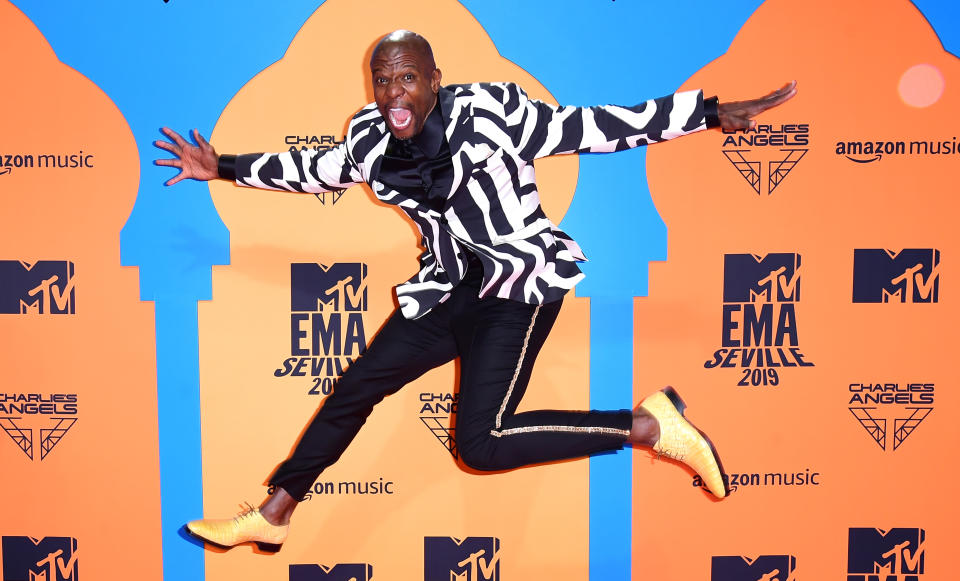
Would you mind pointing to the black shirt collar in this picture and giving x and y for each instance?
(431, 136)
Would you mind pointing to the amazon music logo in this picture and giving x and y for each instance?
(788, 478)
(870, 151)
(376, 486)
(14, 161)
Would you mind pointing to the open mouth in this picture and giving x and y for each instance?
(399, 118)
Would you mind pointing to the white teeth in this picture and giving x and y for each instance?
(395, 122)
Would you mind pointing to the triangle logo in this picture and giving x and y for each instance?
(438, 427)
(778, 169)
(749, 170)
(903, 427)
(876, 427)
(23, 436)
(50, 437)
(335, 196)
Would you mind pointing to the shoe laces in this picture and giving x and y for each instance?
(247, 512)
(675, 452)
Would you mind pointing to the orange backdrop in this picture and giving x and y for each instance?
(859, 88)
(820, 243)
(78, 357)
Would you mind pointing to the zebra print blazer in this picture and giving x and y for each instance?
(495, 133)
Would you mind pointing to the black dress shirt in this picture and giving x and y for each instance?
(421, 169)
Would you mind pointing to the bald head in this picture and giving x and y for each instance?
(409, 40)
(406, 81)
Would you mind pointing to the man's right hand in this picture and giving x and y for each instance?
(198, 162)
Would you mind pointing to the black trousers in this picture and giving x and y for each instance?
(497, 341)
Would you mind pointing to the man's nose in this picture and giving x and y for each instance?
(394, 89)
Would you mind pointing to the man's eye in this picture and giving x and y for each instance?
(408, 77)
(381, 81)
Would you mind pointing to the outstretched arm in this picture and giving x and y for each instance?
(539, 129)
(198, 162)
(545, 129)
(309, 170)
(740, 114)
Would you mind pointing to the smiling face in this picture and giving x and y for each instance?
(405, 82)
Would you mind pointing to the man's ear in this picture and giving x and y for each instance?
(435, 80)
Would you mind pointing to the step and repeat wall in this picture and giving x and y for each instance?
(163, 348)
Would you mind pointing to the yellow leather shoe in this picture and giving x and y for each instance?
(248, 526)
(680, 440)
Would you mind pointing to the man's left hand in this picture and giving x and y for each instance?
(740, 114)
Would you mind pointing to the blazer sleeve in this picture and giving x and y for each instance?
(540, 129)
(308, 171)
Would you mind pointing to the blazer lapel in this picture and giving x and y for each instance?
(374, 159)
(376, 155)
(458, 116)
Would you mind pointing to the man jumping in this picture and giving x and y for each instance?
(458, 160)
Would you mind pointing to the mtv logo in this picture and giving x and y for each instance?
(450, 559)
(911, 275)
(45, 287)
(339, 572)
(762, 568)
(47, 559)
(873, 552)
(771, 278)
(340, 287)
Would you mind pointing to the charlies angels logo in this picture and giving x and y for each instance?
(890, 412)
(37, 420)
(320, 143)
(765, 154)
(436, 410)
